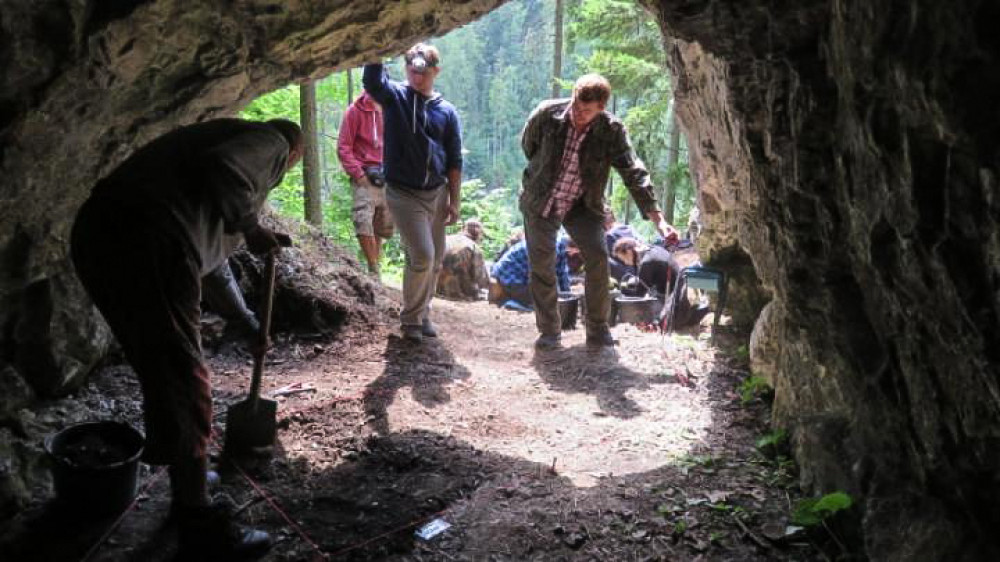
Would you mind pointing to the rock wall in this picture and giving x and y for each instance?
(851, 149)
(82, 84)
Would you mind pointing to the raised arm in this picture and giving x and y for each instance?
(377, 83)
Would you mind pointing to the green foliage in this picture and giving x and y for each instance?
(494, 209)
(773, 439)
(753, 387)
(282, 103)
(810, 512)
(626, 47)
(495, 71)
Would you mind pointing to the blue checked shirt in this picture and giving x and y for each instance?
(514, 268)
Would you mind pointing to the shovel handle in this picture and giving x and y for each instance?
(267, 299)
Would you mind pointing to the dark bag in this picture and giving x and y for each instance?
(375, 175)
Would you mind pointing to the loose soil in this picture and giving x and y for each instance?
(644, 452)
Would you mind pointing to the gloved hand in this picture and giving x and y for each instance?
(262, 241)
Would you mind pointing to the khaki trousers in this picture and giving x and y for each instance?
(587, 230)
(419, 217)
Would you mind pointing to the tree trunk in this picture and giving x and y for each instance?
(350, 87)
(670, 186)
(310, 160)
(557, 49)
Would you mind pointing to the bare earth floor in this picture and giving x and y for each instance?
(644, 452)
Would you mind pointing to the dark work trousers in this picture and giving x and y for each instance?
(587, 230)
(146, 283)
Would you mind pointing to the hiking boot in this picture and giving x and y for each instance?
(600, 337)
(209, 533)
(546, 342)
(413, 333)
(427, 329)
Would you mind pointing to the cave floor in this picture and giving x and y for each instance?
(646, 452)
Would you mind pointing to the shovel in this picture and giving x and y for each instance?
(251, 425)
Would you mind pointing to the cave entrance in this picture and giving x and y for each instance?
(495, 71)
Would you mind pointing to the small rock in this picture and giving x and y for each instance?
(574, 540)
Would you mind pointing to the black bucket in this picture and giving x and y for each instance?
(568, 305)
(95, 466)
(638, 310)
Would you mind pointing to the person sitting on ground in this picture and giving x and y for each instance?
(658, 274)
(142, 242)
(510, 274)
(656, 271)
(463, 271)
(613, 232)
(514, 238)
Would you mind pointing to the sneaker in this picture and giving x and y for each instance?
(413, 333)
(209, 533)
(427, 329)
(547, 342)
(600, 337)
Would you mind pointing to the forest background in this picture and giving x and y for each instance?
(495, 71)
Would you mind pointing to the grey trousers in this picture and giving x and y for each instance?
(587, 230)
(419, 217)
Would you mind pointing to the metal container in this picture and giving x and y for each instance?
(638, 310)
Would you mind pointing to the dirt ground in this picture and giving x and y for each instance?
(644, 452)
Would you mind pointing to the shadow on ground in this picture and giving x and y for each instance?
(580, 369)
(426, 368)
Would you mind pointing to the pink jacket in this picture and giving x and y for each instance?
(360, 140)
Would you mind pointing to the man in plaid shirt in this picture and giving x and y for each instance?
(571, 145)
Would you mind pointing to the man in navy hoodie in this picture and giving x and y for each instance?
(422, 155)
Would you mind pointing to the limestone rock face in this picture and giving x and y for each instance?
(850, 149)
(847, 151)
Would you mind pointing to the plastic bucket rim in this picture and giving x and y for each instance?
(50, 439)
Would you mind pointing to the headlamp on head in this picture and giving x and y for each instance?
(419, 64)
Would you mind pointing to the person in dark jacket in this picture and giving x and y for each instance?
(422, 155)
(658, 273)
(571, 146)
(141, 244)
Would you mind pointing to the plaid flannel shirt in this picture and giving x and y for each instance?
(514, 268)
(569, 186)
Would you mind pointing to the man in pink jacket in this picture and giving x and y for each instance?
(360, 149)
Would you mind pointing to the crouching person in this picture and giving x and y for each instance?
(141, 244)
(463, 271)
(511, 274)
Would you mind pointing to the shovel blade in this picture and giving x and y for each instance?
(250, 430)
